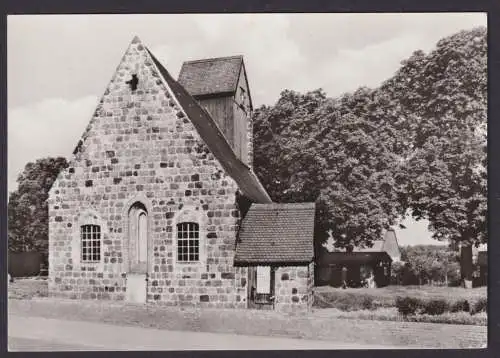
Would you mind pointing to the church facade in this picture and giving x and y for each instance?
(158, 190)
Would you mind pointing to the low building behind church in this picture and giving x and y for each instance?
(359, 265)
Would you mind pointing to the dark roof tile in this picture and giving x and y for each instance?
(211, 76)
(276, 233)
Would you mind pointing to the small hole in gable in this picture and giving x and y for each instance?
(133, 82)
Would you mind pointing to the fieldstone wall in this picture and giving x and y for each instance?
(294, 288)
(141, 147)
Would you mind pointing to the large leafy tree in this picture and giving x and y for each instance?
(27, 208)
(442, 99)
(312, 148)
(415, 143)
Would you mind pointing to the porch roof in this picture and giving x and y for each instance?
(276, 233)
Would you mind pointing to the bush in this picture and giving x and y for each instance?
(344, 306)
(346, 300)
(354, 303)
(435, 307)
(460, 306)
(408, 276)
(367, 303)
(479, 319)
(481, 305)
(407, 305)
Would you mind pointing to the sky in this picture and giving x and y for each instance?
(59, 65)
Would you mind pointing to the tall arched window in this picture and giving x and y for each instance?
(188, 242)
(91, 243)
(138, 238)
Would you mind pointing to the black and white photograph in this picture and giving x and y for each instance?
(251, 181)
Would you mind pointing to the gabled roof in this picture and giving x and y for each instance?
(218, 145)
(211, 76)
(388, 245)
(345, 258)
(276, 233)
(378, 246)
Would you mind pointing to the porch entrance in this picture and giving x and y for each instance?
(261, 282)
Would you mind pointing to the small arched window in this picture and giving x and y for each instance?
(91, 243)
(188, 242)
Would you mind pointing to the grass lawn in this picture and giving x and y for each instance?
(391, 314)
(379, 304)
(27, 288)
(329, 303)
(390, 292)
(386, 296)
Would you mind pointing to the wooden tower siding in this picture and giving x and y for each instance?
(221, 87)
(231, 112)
(242, 108)
(221, 110)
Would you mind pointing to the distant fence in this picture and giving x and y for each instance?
(24, 264)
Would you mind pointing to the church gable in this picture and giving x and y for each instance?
(143, 105)
(138, 129)
(141, 166)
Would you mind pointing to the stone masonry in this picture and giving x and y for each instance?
(141, 147)
(294, 288)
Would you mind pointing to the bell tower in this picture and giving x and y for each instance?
(220, 85)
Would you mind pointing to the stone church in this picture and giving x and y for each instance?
(160, 202)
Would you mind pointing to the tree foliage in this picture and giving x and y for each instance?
(313, 148)
(27, 208)
(417, 142)
(426, 264)
(443, 98)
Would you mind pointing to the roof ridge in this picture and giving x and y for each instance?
(211, 59)
(256, 190)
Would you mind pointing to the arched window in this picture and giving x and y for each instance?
(90, 236)
(138, 238)
(188, 242)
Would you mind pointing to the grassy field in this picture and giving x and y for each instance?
(385, 296)
(27, 288)
(380, 304)
(391, 314)
(337, 303)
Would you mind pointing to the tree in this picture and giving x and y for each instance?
(432, 263)
(417, 143)
(312, 148)
(27, 207)
(442, 99)
(397, 271)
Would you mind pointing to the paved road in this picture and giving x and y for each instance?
(33, 345)
(45, 334)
